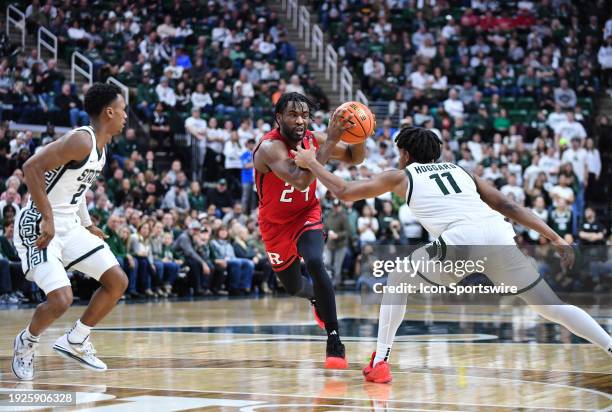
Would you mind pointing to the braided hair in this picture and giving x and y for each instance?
(296, 98)
(422, 144)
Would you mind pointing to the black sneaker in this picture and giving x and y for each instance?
(335, 353)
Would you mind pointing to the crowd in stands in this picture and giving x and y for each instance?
(509, 90)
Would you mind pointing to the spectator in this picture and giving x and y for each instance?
(453, 105)
(367, 225)
(233, 151)
(220, 196)
(196, 126)
(248, 177)
(199, 265)
(570, 128)
(140, 249)
(560, 220)
(338, 233)
(593, 159)
(176, 198)
(564, 96)
(165, 93)
(243, 249)
(239, 270)
(562, 192)
(540, 210)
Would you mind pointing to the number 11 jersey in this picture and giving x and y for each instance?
(443, 195)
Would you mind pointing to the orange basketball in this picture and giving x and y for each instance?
(364, 119)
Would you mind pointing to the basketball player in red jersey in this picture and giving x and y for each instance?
(290, 214)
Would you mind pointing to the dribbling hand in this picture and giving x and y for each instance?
(341, 121)
(47, 232)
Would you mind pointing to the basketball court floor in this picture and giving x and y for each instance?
(267, 355)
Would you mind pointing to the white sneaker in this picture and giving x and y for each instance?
(23, 357)
(84, 353)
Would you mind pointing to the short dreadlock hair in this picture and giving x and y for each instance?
(422, 144)
(99, 96)
(287, 98)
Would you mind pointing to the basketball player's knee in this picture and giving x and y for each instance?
(59, 300)
(115, 281)
(315, 265)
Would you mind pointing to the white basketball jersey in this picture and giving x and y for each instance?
(442, 195)
(66, 185)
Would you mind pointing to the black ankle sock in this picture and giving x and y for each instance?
(332, 329)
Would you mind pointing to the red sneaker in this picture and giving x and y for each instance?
(379, 373)
(316, 316)
(335, 354)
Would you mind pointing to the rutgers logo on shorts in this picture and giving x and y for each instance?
(274, 258)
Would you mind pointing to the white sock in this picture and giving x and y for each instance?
(28, 335)
(389, 320)
(79, 332)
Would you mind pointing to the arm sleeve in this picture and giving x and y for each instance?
(84, 215)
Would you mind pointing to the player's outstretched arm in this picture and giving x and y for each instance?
(72, 146)
(389, 181)
(497, 201)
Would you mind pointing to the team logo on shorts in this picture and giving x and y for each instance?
(274, 258)
(28, 233)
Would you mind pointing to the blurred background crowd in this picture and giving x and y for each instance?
(516, 91)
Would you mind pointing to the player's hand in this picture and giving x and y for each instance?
(47, 232)
(304, 156)
(565, 251)
(96, 231)
(341, 120)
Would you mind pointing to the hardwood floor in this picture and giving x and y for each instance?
(267, 354)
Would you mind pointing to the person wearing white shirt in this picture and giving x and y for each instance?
(492, 173)
(367, 225)
(512, 187)
(475, 147)
(604, 57)
(247, 87)
(453, 105)
(173, 70)
(549, 163)
(165, 93)
(201, 98)
(577, 156)
(450, 30)
(245, 131)
(215, 142)
(232, 151)
(413, 231)
(318, 125)
(555, 118)
(562, 191)
(532, 171)
(220, 32)
(539, 209)
(196, 127)
(427, 49)
(166, 29)
(420, 79)
(570, 128)
(294, 86)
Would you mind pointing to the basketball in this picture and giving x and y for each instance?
(365, 122)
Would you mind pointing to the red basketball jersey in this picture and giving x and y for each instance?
(279, 202)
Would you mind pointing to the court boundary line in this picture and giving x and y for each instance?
(331, 397)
